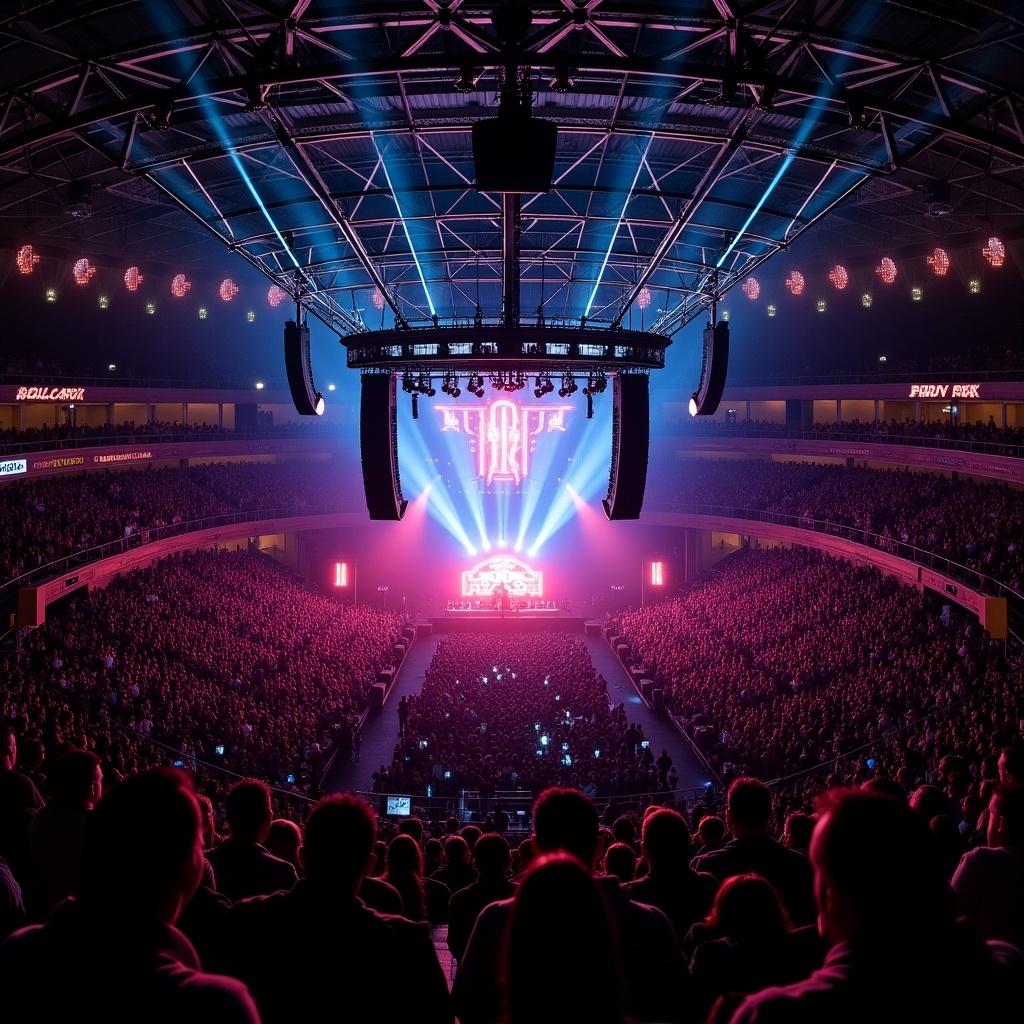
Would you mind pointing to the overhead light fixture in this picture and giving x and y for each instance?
(466, 82)
(562, 81)
(163, 108)
(255, 96)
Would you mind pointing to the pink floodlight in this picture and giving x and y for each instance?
(643, 300)
(886, 270)
(939, 262)
(228, 289)
(83, 271)
(795, 282)
(839, 277)
(276, 295)
(994, 252)
(132, 279)
(180, 284)
(26, 259)
(752, 288)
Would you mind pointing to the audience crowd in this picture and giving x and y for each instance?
(210, 658)
(793, 665)
(517, 711)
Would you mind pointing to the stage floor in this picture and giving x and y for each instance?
(507, 622)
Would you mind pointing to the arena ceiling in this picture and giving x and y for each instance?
(326, 143)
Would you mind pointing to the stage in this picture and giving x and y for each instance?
(524, 621)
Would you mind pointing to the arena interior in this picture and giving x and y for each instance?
(524, 498)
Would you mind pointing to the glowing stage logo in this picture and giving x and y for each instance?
(503, 435)
(508, 576)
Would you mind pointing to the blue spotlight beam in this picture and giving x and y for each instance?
(618, 224)
(405, 227)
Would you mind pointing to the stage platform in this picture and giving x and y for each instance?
(473, 621)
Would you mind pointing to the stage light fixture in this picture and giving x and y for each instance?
(104, 302)
(886, 270)
(51, 294)
(26, 259)
(276, 295)
(180, 284)
(150, 308)
(839, 277)
(228, 289)
(466, 82)
(795, 283)
(132, 279)
(771, 310)
(163, 108)
(974, 286)
(562, 81)
(255, 96)
(752, 288)
(203, 312)
(83, 272)
(994, 252)
(939, 262)
(916, 293)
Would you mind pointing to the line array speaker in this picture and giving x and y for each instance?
(706, 398)
(378, 446)
(308, 401)
(631, 428)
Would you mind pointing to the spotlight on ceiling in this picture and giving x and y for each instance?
(466, 82)
(163, 108)
(562, 81)
(855, 113)
(255, 96)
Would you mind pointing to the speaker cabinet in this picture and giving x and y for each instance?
(308, 401)
(706, 398)
(514, 154)
(378, 446)
(631, 427)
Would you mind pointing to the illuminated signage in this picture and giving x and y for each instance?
(50, 395)
(61, 463)
(945, 391)
(123, 457)
(515, 577)
(12, 467)
(502, 434)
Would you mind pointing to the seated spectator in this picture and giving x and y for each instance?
(242, 866)
(746, 943)
(318, 946)
(492, 859)
(563, 956)
(656, 979)
(620, 860)
(898, 951)
(989, 881)
(423, 899)
(752, 850)
(456, 872)
(284, 839)
(671, 885)
(142, 858)
(54, 843)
